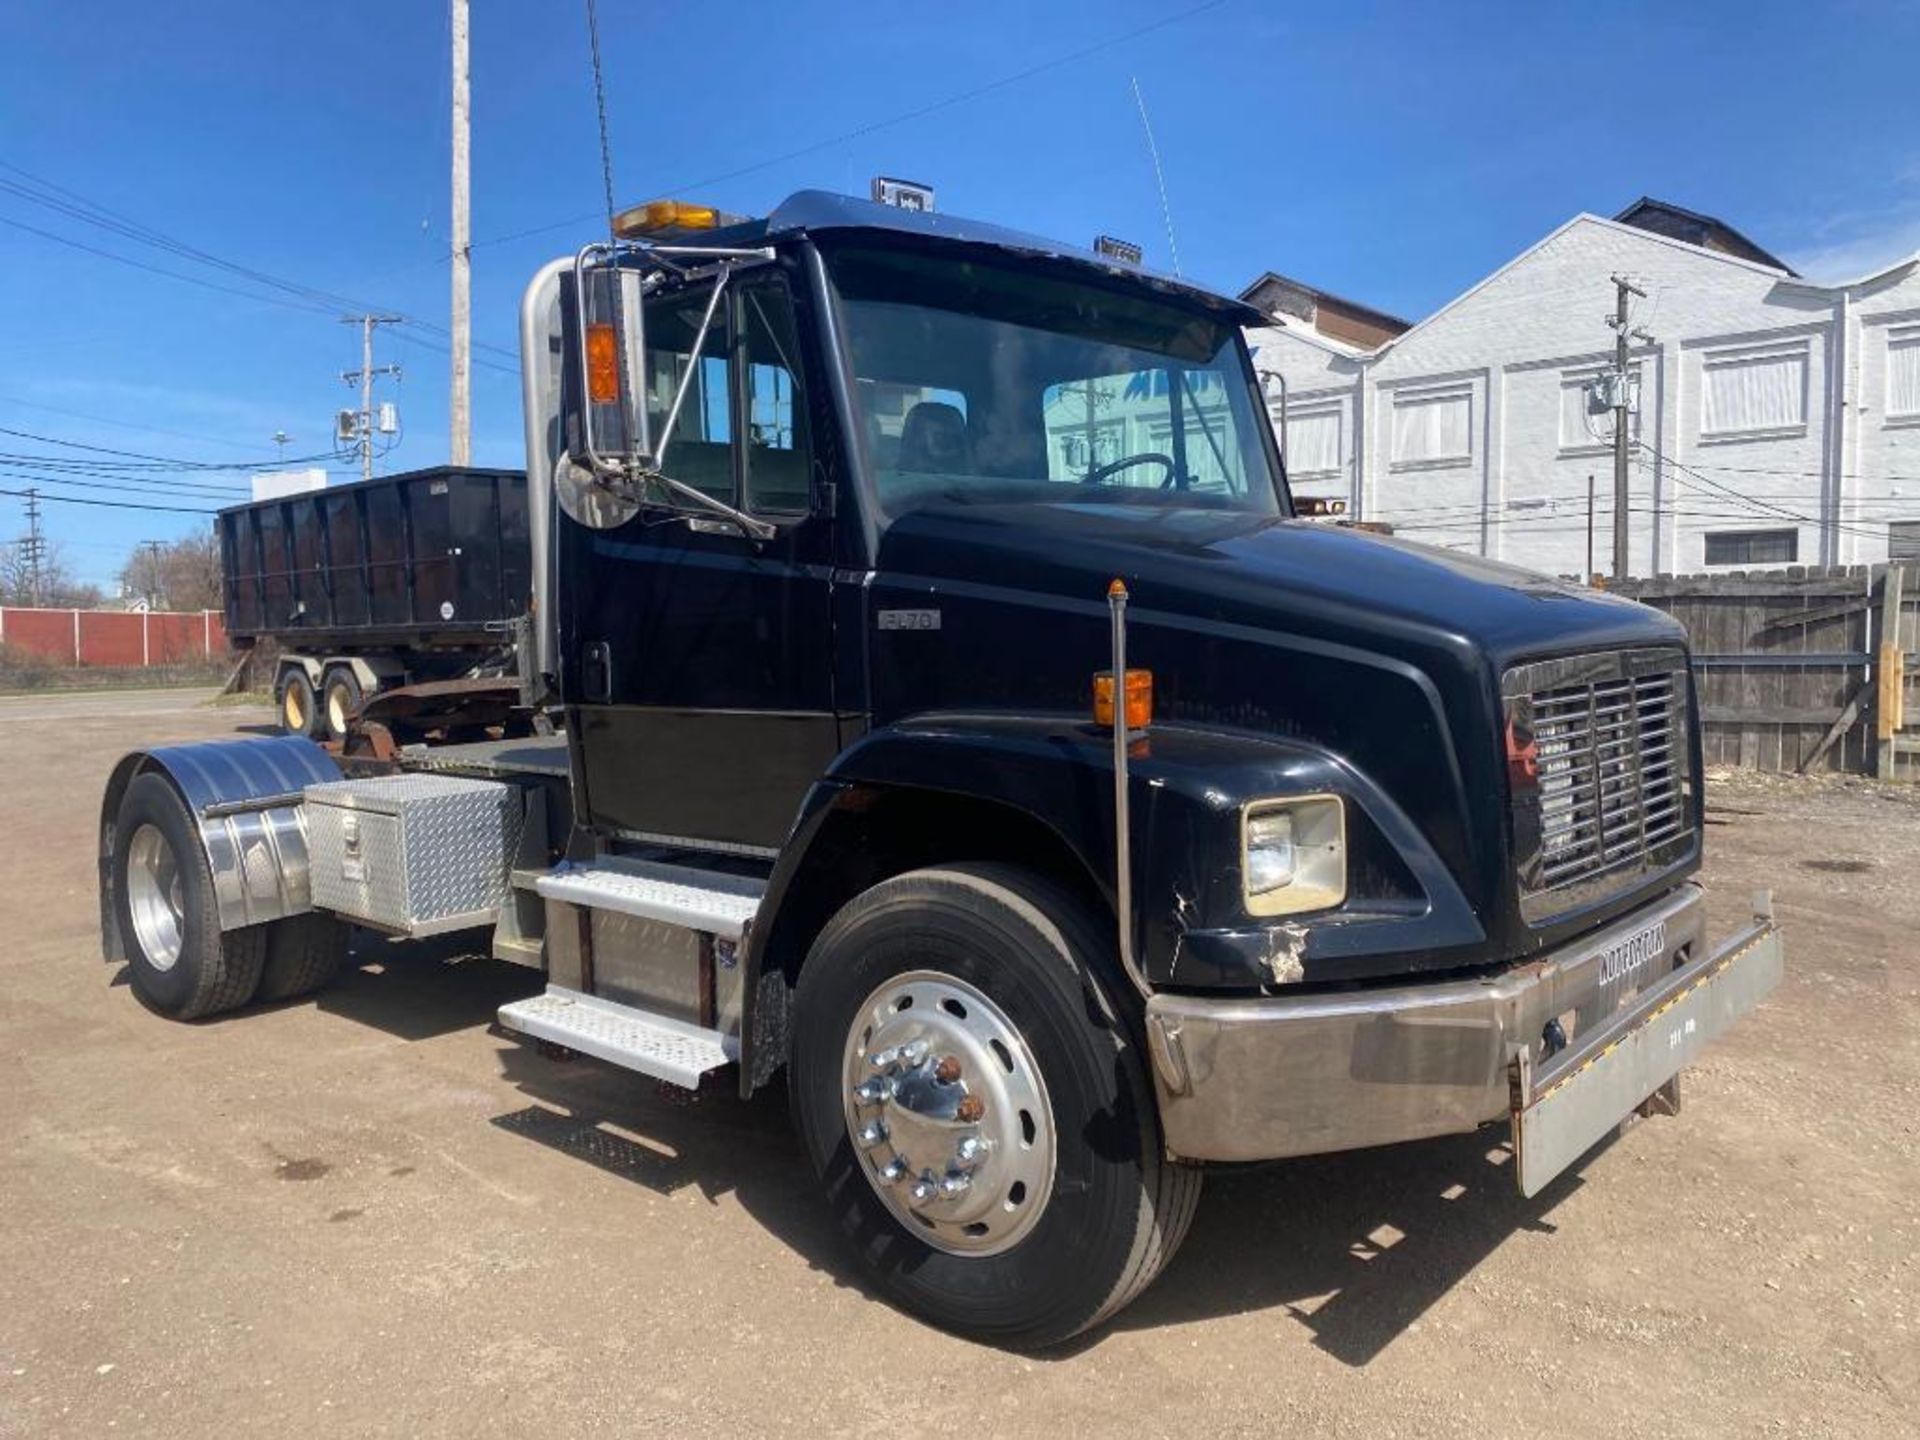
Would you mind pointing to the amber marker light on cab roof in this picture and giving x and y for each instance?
(657, 216)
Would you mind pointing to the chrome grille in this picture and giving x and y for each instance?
(1601, 790)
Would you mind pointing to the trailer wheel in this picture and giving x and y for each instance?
(341, 696)
(304, 953)
(182, 964)
(299, 712)
(977, 1106)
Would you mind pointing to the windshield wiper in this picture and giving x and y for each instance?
(1213, 444)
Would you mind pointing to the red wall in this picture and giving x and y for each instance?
(116, 637)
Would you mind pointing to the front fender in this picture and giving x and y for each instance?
(1188, 785)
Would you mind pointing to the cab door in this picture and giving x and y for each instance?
(697, 661)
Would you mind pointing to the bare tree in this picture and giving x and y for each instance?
(58, 590)
(184, 575)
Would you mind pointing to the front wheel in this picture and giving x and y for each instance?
(977, 1106)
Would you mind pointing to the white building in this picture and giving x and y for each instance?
(1778, 419)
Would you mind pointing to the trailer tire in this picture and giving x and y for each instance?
(304, 953)
(340, 701)
(181, 963)
(1112, 1210)
(299, 710)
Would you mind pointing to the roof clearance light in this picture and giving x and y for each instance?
(902, 194)
(658, 215)
(1112, 247)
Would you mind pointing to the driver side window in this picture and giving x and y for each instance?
(700, 450)
(744, 385)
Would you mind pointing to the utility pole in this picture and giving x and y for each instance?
(1589, 575)
(363, 377)
(152, 547)
(1622, 399)
(460, 394)
(35, 547)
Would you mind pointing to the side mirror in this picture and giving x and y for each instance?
(603, 400)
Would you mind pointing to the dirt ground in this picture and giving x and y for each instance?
(374, 1214)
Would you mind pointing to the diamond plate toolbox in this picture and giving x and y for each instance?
(413, 854)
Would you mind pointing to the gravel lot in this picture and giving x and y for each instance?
(374, 1214)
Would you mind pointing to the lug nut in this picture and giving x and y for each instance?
(948, 1070)
(891, 1173)
(913, 1052)
(971, 1148)
(954, 1185)
(971, 1110)
(922, 1191)
(884, 1059)
(872, 1133)
(873, 1092)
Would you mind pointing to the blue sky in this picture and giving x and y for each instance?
(1394, 153)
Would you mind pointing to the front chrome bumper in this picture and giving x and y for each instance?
(1259, 1079)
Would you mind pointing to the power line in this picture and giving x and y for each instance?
(158, 270)
(112, 504)
(90, 212)
(141, 455)
(119, 423)
(919, 112)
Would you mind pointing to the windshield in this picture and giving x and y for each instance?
(989, 384)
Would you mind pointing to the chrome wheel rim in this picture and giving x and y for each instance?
(154, 897)
(948, 1113)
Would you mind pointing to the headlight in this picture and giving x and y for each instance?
(1294, 855)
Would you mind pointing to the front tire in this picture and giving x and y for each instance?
(951, 1025)
(181, 963)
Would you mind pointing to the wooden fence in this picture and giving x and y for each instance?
(1800, 670)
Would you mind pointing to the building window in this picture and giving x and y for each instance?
(1903, 374)
(1432, 429)
(1754, 394)
(1753, 547)
(1313, 443)
(1582, 430)
(1903, 540)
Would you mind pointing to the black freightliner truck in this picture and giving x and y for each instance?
(958, 719)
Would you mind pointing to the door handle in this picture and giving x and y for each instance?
(596, 673)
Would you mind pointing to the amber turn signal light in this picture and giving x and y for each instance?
(1139, 698)
(603, 365)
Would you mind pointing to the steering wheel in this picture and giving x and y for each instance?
(1100, 474)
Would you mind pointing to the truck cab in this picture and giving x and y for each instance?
(959, 719)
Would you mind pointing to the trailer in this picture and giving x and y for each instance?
(366, 588)
(962, 721)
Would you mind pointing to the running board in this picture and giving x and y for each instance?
(673, 894)
(656, 1045)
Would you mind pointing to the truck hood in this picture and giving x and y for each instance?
(1304, 577)
(1385, 653)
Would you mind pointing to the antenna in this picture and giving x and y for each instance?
(1159, 179)
(600, 100)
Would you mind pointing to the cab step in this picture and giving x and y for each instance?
(673, 894)
(656, 1045)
